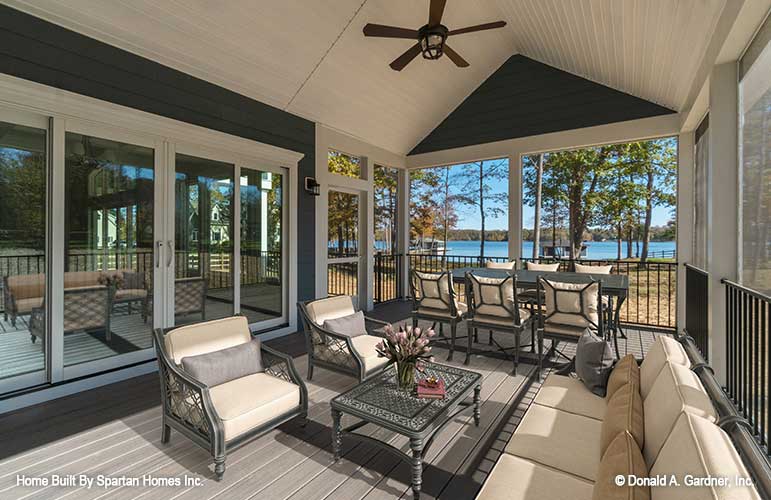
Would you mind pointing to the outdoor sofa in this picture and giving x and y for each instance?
(572, 444)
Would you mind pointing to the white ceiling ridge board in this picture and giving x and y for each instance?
(50, 101)
(194, 70)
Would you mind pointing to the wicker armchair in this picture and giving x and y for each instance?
(570, 308)
(227, 416)
(354, 356)
(85, 309)
(190, 296)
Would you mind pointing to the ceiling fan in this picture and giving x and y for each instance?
(431, 38)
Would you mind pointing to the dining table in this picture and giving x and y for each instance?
(614, 286)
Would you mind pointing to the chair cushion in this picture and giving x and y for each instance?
(247, 402)
(584, 269)
(460, 306)
(509, 266)
(524, 315)
(77, 279)
(625, 371)
(515, 478)
(365, 347)
(27, 286)
(677, 389)
(352, 325)
(130, 294)
(27, 305)
(622, 458)
(434, 290)
(493, 296)
(663, 349)
(564, 303)
(564, 330)
(571, 395)
(623, 413)
(218, 367)
(558, 439)
(548, 268)
(330, 308)
(700, 448)
(593, 362)
(200, 338)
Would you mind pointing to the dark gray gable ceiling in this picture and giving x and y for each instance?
(525, 97)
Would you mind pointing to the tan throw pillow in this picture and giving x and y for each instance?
(625, 371)
(624, 413)
(622, 458)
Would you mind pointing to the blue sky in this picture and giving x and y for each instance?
(468, 217)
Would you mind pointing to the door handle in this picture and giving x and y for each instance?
(171, 253)
(158, 245)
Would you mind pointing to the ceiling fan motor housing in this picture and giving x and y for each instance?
(432, 40)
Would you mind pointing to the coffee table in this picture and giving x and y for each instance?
(379, 401)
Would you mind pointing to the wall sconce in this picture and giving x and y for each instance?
(312, 187)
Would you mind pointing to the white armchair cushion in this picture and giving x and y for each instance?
(202, 338)
(365, 347)
(247, 402)
(330, 308)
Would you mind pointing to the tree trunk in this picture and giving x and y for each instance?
(482, 210)
(629, 248)
(646, 236)
(619, 239)
(537, 222)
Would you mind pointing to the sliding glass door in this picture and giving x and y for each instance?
(23, 249)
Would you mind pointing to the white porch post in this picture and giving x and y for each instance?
(367, 237)
(515, 206)
(722, 254)
(403, 228)
(685, 219)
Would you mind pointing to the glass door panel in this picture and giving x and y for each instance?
(261, 286)
(23, 259)
(108, 261)
(203, 239)
(343, 244)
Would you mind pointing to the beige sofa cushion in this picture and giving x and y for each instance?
(246, 402)
(365, 347)
(663, 349)
(677, 389)
(571, 395)
(558, 439)
(624, 413)
(24, 306)
(567, 301)
(698, 447)
(78, 279)
(548, 268)
(623, 457)
(200, 338)
(330, 308)
(514, 478)
(626, 370)
(27, 286)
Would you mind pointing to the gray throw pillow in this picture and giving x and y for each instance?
(218, 367)
(351, 326)
(594, 362)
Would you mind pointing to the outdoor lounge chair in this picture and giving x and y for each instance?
(226, 416)
(433, 299)
(85, 309)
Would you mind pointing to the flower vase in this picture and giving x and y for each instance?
(405, 375)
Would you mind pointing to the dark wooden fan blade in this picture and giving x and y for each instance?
(455, 57)
(404, 59)
(384, 31)
(435, 12)
(479, 27)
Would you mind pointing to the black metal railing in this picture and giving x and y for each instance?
(697, 307)
(343, 278)
(747, 357)
(652, 297)
(388, 278)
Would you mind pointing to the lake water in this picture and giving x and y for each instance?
(595, 249)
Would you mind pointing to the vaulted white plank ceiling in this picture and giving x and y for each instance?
(310, 58)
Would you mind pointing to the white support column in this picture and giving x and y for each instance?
(367, 237)
(56, 254)
(515, 206)
(722, 253)
(685, 219)
(403, 227)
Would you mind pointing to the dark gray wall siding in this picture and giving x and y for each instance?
(525, 97)
(37, 50)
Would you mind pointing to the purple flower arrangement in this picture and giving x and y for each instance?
(409, 349)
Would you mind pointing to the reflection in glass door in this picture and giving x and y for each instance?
(203, 239)
(23, 178)
(108, 261)
(343, 244)
(261, 286)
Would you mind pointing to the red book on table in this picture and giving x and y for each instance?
(425, 391)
